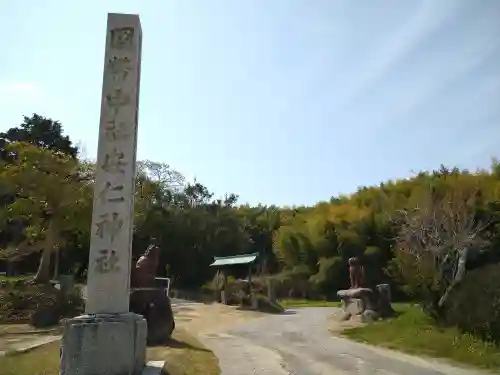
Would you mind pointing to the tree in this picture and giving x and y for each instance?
(197, 194)
(162, 174)
(439, 234)
(430, 238)
(42, 132)
(51, 199)
(260, 224)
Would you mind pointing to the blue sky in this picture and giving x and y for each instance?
(282, 101)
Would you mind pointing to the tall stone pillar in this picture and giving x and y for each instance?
(109, 339)
(112, 218)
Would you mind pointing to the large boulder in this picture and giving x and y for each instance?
(365, 302)
(149, 300)
(384, 307)
(156, 308)
(355, 301)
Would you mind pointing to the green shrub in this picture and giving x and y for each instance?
(207, 288)
(72, 303)
(474, 306)
(39, 305)
(267, 306)
(295, 284)
(417, 279)
(233, 299)
(332, 275)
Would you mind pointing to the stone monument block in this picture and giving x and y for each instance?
(104, 345)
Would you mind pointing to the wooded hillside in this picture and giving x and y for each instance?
(420, 234)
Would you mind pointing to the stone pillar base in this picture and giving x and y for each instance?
(104, 344)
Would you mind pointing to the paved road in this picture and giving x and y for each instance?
(300, 344)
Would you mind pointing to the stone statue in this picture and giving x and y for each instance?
(149, 301)
(356, 273)
(145, 269)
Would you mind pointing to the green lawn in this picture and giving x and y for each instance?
(294, 303)
(40, 361)
(415, 333)
(14, 278)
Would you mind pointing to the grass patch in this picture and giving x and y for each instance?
(25, 329)
(40, 361)
(15, 278)
(295, 303)
(183, 356)
(413, 332)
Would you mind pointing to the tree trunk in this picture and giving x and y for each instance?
(459, 276)
(43, 273)
(10, 268)
(56, 265)
(264, 270)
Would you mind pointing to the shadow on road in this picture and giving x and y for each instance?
(175, 344)
(286, 312)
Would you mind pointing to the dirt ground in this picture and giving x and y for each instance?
(336, 326)
(199, 318)
(195, 318)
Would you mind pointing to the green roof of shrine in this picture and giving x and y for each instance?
(236, 259)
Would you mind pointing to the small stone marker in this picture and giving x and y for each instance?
(109, 340)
